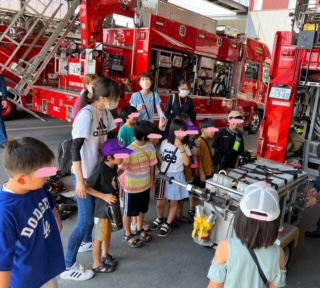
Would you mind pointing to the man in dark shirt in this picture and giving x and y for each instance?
(229, 144)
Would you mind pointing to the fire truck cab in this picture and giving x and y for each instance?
(226, 70)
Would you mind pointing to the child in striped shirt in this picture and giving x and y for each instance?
(139, 180)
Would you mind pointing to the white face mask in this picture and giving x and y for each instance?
(184, 93)
(90, 90)
(145, 84)
(113, 105)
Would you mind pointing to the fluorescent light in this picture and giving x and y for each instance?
(203, 7)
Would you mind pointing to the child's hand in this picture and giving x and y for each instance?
(81, 189)
(179, 144)
(312, 192)
(110, 199)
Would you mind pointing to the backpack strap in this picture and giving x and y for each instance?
(145, 106)
(205, 141)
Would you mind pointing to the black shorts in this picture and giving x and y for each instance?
(136, 203)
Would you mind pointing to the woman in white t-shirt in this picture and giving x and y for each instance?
(89, 131)
(176, 152)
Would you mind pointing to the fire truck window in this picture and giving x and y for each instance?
(251, 71)
(265, 75)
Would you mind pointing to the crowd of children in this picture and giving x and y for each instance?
(128, 163)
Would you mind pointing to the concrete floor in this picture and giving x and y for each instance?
(174, 261)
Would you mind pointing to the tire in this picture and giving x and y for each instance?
(9, 112)
(288, 252)
(255, 123)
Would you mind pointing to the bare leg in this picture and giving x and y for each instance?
(97, 253)
(140, 220)
(126, 225)
(161, 207)
(172, 211)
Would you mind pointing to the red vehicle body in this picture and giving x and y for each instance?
(293, 97)
(225, 72)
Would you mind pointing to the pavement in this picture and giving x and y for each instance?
(174, 261)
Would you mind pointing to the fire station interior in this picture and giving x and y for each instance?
(287, 139)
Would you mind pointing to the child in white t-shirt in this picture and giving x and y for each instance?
(176, 151)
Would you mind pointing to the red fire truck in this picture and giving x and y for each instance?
(293, 98)
(227, 71)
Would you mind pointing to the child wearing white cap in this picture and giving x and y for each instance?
(256, 225)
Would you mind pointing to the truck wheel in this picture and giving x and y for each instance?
(288, 252)
(9, 112)
(255, 122)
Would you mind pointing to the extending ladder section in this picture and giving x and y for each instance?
(29, 71)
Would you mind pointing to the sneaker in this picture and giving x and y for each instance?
(133, 228)
(85, 247)
(164, 230)
(156, 224)
(77, 272)
(146, 226)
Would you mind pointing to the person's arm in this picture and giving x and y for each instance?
(185, 157)
(109, 198)
(58, 219)
(192, 111)
(4, 92)
(200, 156)
(76, 160)
(167, 111)
(152, 182)
(221, 257)
(282, 267)
(5, 277)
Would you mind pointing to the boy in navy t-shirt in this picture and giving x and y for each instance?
(30, 244)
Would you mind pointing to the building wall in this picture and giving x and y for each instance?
(264, 24)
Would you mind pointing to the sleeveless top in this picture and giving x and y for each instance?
(241, 271)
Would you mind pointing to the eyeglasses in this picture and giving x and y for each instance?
(237, 117)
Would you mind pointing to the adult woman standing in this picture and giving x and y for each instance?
(147, 101)
(180, 103)
(90, 130)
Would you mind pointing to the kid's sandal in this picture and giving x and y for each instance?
(109, 260)
(143, 236)
(103, 269)
(135, 243)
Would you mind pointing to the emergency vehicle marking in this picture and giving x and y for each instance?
(281, 103)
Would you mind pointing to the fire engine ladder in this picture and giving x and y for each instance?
(34, 68)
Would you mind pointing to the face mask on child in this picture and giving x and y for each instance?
(145, 84)
(113, 105)
(184, 93)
